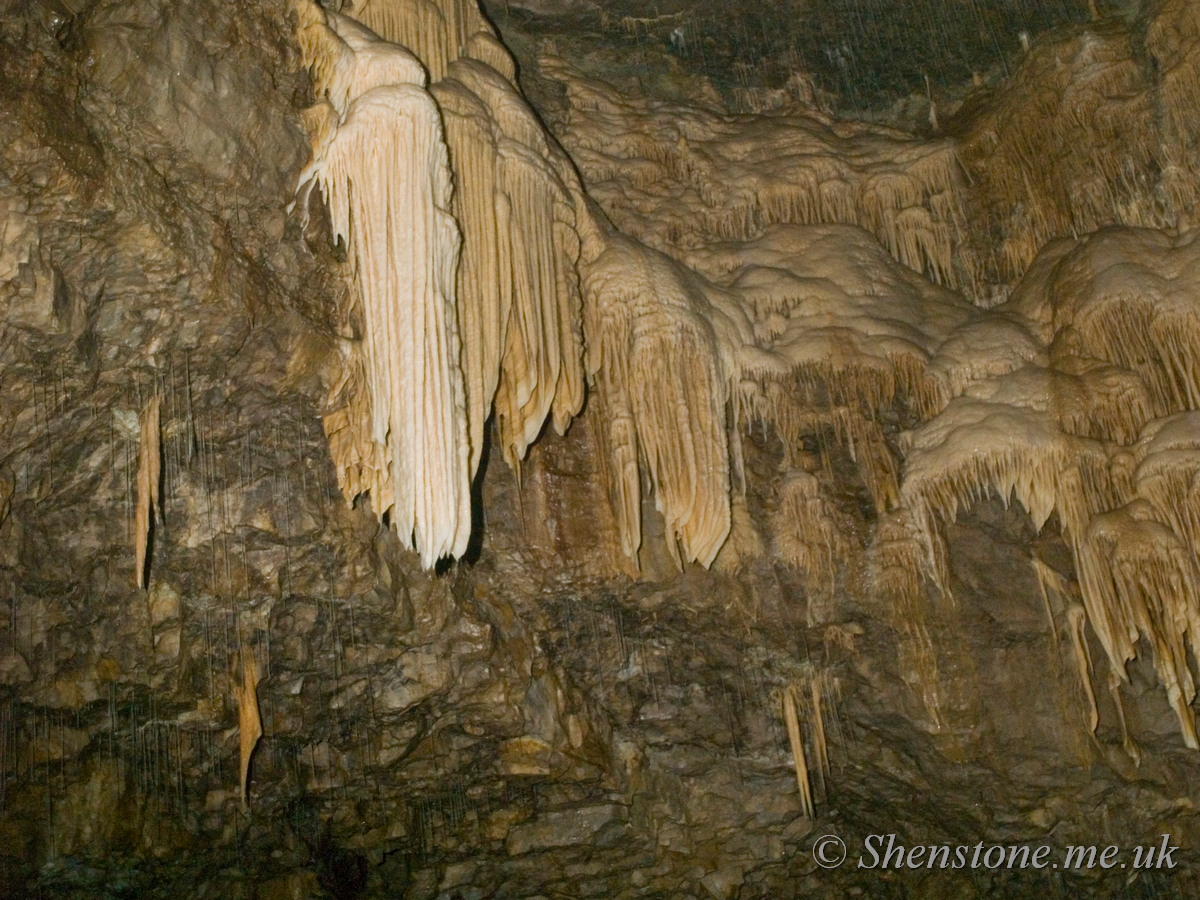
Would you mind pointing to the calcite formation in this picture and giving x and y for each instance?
(595, 513)
(511, 287)
(1097, 429)
(148, 480)
(724, 301)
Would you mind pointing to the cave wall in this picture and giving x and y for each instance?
(545, 717)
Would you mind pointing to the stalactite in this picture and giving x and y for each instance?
(1082, 411)
(1076, 620)
(708, 188)
(897, 563)
(807, 348)
(809, 696)
(534, 207)
(484, 296)
(418, 25)
(820, 744)
(522, 312)
(798, 758)
(1050, 582)
(148, 481)
(799, 326)
(503, 325)
(1167, 459)
(1114, 690)
(249, 722)
(1085, 135)
(658, 370)
(529, 378)
(385, 175)
(1146, 579)
(809, 531)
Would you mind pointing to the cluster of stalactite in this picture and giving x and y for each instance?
(679, 177)
(474, 301)
(1090, 416)
(458, 215)
(797, 292)
(1096, 127)
(810, 330)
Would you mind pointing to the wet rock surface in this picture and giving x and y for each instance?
(533, 721)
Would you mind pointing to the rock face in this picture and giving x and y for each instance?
(547, 716)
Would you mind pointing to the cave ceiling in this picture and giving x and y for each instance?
(865, 54)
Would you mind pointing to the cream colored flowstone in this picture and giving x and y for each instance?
(678, 177)
(1084, 135)
(451, 330)
(809, 533)
(384, 170)
(386, 179)
(806, 329)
